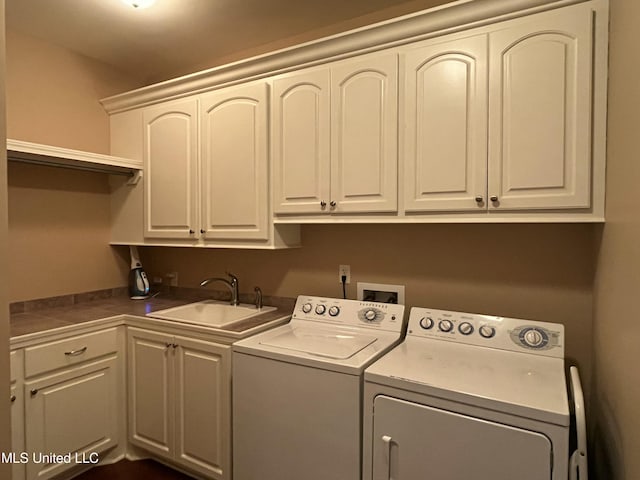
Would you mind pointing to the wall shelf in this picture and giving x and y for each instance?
(34, 153)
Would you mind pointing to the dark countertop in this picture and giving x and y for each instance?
(23, 323)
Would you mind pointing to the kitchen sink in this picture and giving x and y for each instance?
(210, 313)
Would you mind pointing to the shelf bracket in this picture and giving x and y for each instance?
(135, 178)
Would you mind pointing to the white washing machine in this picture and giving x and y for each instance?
(468, 396)
(297, 390)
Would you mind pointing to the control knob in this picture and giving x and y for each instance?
(487, 331)
(306, 308)
(370, 315)
(465, 328)
(426, 323)
(320, 309)
(533, 338)
(334, 311)
(445, 325)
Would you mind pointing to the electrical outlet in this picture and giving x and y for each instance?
(173, 278)
(346, 271)
(157, 280)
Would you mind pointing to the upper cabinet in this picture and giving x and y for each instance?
(300, 139)
(397, 122)
(334, 138)
(501, 121)
(364, 131)
(206, 173)
(234, 163)
(171, 170)
(540, 112)
(445, 134)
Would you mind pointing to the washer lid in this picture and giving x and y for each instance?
(338, 345)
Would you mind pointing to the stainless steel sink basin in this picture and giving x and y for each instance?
(210, 313)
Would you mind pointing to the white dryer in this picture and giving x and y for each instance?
(297, 390)
(468, 396)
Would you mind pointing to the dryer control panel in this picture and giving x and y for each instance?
(356, 313)
(503, 333)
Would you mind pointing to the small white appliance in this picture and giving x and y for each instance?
(297, 390)
(469, 396)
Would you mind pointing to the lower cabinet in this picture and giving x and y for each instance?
(72, 412)
(66, 403)
(179, 400)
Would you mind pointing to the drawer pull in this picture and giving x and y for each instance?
(75, 353)
(34, 392)
(13, 398)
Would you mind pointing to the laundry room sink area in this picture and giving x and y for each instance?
(210, 313)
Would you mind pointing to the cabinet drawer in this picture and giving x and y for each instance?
(16, 365)
(70, 351)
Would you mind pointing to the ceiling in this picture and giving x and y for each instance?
(175, 37)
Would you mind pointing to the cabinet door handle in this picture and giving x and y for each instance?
(494, 198)
(191, 231)
(75, 353)
(174, 345)
(167, 345)
(203, 231)
(34, 392)
(13, 398)
(333, 204)
(479, 199)
(323, 204)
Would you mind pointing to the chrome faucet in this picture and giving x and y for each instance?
(231, 284)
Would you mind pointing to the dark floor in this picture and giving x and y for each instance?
(138, 470)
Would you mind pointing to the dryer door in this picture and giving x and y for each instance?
(415, 442)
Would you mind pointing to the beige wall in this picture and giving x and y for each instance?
(52, 95)
(59, 233)
(542, 272)
(59, 219)
(5, 427)
(398, 9)
(617, 287)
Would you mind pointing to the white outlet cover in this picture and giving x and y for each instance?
(380, 292)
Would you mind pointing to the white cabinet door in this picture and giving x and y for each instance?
(235, 163)
(170, 170)
(300, 142)
(203, 414)
(364, 128)
(445, 128)
(150, 397)
(412, 441)
(540, 111)
(71, 412)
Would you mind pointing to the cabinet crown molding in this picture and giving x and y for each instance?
(435, 21)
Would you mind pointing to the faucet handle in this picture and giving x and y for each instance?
(258, 300)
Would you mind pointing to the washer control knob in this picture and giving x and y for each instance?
(370, 315)
(320, 309)
(334, 311)
(465, 328)
(445, 325)
(306, 308)
(487, 331)
(426, 323)
(533, 338)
